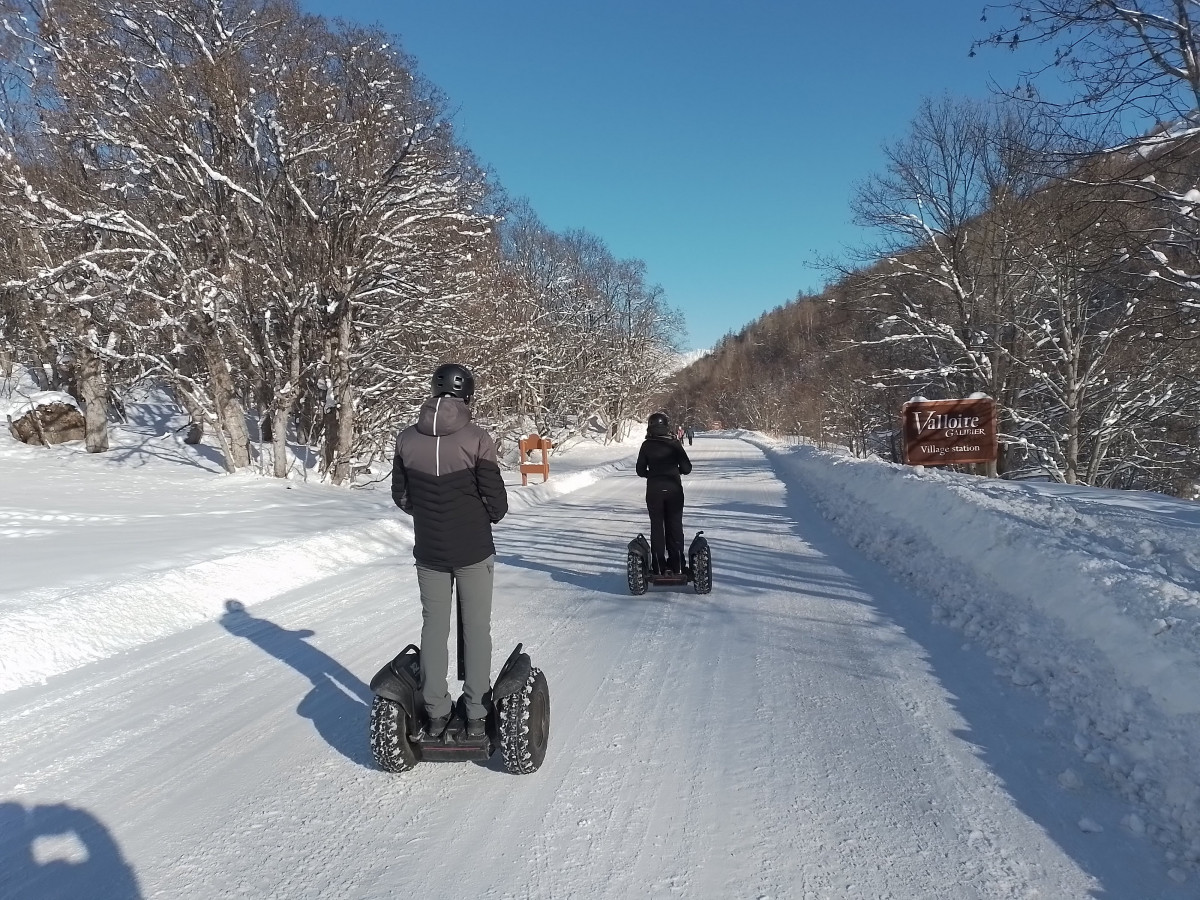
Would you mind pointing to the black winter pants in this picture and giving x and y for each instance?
(665, 505)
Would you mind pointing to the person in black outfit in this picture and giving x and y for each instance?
(661, 461)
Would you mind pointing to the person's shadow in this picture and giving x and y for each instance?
(338, 703)
(60, 851)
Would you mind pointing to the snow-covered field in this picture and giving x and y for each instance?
(905, 684)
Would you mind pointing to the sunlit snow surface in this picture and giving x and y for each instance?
(904, 684)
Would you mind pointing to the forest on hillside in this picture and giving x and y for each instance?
(271, 217)
(1043, 253)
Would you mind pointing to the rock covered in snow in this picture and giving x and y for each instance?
(47, 417)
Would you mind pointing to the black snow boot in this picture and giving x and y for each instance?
(433, 731)
(476, 728)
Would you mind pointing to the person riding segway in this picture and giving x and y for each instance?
(660, 561)
(445, 475)
(661, 461)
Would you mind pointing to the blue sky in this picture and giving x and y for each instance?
(719, 141)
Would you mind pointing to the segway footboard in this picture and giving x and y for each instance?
(454, 745)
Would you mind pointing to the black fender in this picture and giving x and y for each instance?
(699, 542)
(400, 681)
(641, 547)
(513, 675)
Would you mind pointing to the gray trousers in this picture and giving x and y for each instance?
(474, 585)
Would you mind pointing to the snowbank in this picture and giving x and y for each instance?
(1090, 597)
(59, 630)
(107, 551)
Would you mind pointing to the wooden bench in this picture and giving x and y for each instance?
(535, 442)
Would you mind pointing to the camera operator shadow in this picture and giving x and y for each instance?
(60, 851)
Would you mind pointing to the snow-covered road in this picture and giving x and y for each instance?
(801, 732)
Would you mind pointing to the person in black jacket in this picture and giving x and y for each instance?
(446, 476)
(661, 461)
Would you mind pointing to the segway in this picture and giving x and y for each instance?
(640, 571)
(518, 717)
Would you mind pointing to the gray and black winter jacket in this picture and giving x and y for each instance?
(445, 476)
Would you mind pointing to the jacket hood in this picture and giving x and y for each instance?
(442, 415)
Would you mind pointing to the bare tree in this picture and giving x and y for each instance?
(1131, 60)
(274, 217)
(950, 209)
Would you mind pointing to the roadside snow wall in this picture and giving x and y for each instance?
(1089, 597)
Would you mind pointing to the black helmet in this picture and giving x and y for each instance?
(454, 380)
(658, 424)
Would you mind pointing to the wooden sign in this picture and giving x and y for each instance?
(532, 444)
(946, 432)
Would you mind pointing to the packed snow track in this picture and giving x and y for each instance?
(801, 732)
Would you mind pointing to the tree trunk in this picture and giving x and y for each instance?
(279, 424)
(93, 391)
(345, 415)
(285, 402)
(231, 417)
(1072, 451)
(339, 409)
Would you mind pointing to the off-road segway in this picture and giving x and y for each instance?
(518, 717)
(641, 573)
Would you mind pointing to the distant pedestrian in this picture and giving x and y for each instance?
(691, 433)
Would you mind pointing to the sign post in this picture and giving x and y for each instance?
(535, 443)
(949, 432)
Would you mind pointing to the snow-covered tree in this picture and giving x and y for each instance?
(273, 216)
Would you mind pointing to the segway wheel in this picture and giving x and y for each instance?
(525, 725)
(702, 571)
(389, 736)
(636, 574)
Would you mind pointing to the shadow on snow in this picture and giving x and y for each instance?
(338, 703)
(52, 851)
